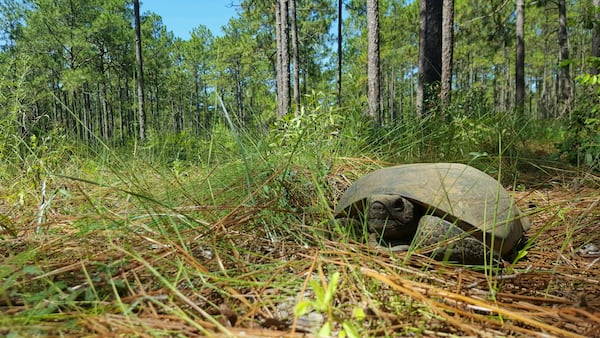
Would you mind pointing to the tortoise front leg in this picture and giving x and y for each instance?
(446, 241)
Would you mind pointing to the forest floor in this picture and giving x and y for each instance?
(86, 274)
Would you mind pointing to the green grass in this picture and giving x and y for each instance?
(187, 236)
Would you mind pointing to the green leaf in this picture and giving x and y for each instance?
(565, 63)
(332, 287)
(303, 308)
(583, 78)
(325, 330)
(33, 270)
(476, 154)
(358, 313)
(520, 255)
(588, 79)
(350, 330)
(319, 294)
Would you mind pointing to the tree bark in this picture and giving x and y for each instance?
(564, 76)
(373, 59)
(295, 57)
(140, 72)
(339, 56)
(430, 55)
(596, 38)
(447, 51)
(284, 72)
(278, 66)
(520, 58)
(121, 110)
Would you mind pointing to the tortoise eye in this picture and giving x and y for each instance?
(398, 204)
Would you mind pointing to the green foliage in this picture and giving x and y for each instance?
(494, 133)
(308, 128)
(170, 147)
(25, 146)
(14, 104)
(581, 142)
(324, 303)
(590, 80)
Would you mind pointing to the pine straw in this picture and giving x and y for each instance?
(226, 277)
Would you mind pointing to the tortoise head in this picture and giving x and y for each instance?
(393, 217)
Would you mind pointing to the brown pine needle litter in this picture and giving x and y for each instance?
(107, 264)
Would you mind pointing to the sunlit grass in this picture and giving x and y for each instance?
(226, 233)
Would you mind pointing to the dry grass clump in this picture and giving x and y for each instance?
(109, 263)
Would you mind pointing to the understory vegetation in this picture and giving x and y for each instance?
(233, 233)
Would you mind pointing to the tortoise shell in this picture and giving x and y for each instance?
(472, 199)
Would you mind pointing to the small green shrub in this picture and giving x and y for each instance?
(581, 142)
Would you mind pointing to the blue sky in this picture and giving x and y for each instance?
(181, 16)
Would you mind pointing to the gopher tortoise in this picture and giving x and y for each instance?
(454, 211)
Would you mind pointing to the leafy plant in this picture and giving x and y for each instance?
(324, 302)
(581, 143)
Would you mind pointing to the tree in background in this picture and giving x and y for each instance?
(596, 36)
(283, 58)
(11, 22)
(140, 71)
(339, 52)
(430, 55)
(77, 61)
(234, 76)
(198, 60)
(373, 59)
(520, 57)
(447, 51)
(295, 57)
(564, 75)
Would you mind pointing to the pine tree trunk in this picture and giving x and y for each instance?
(196, 104)
(339, 56)
(121, 114)
(207, 113)
(239, 94)
(284, 72)
(278, 67)
(564, 76)
(447, 51)
(295, 57)
(140, 72)
(104, 107)
(430, 55)
(596, 37)
(373, 58)
(520, 58)
(392, 94)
